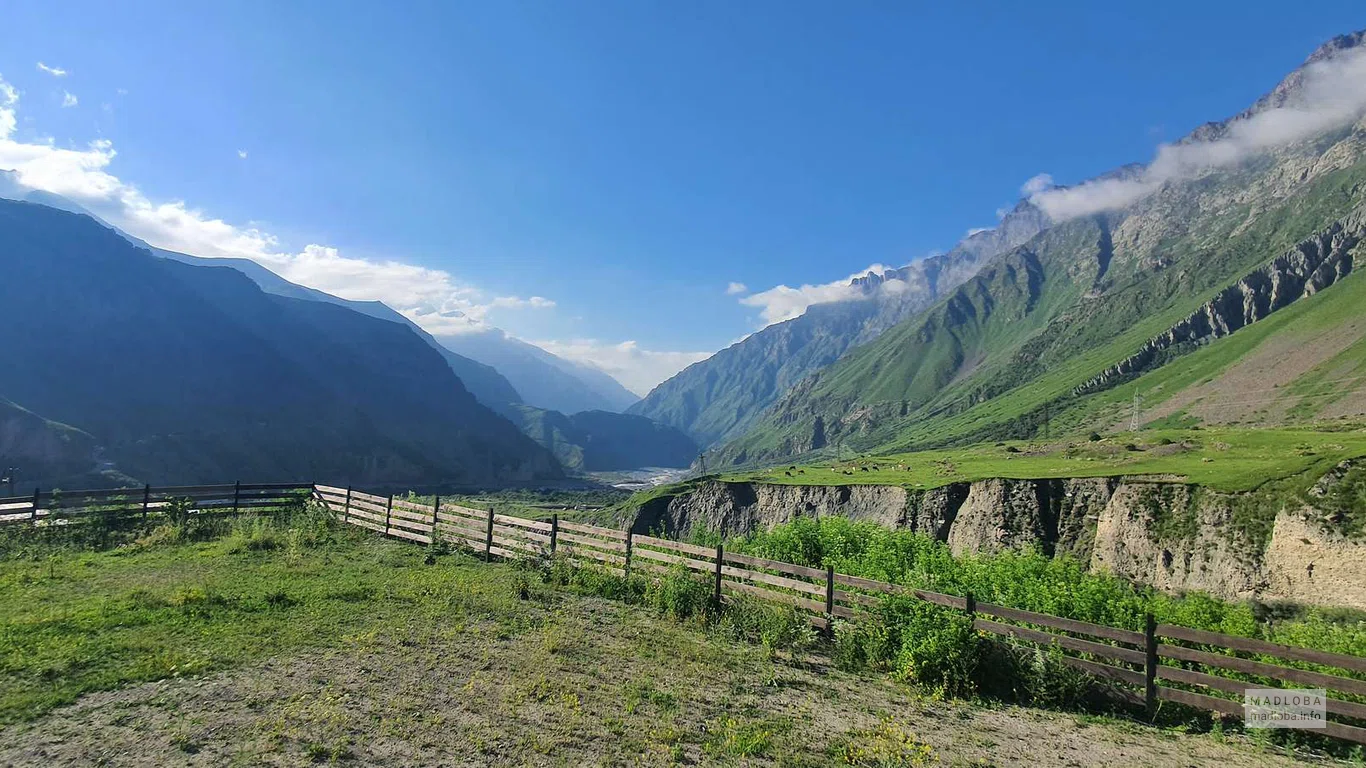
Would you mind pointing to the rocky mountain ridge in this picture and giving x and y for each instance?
(1312, 265)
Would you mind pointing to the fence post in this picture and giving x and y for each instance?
(488, 539)
(970, 606)
(627, 569)
(1150, 662)
(146, 500)
(716, 593)
(36, 494)
(236, 495)
(346, 511)
(388, 514)
(436, 509)
(554, 531)
(830, 598)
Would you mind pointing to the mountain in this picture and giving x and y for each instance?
(42, 452)
(1137, 302)
(544, 380)
(723, 396)
(477, 358)
(485, 383)
(599, 441)
(193, 374)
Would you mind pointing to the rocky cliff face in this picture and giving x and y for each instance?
(1174, 536)
(1312, 265)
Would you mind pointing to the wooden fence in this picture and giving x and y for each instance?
(1144, 667)
(1161, 663)
(114, 505)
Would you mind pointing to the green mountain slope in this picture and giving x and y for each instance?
(1305, 364)
(1056, 324)
(721, 396)
(724, 395)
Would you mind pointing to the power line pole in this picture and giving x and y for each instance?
(1133, 420)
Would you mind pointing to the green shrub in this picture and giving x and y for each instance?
(938, 647)
(870, 643)
(587, 579)
(776, 627)
(848, 652)
(680, 594)
(253, 534)
(917, 641)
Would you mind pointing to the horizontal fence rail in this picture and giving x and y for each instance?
(1163, 662)
(62, 507)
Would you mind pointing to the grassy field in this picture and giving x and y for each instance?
(299, 645)
(1226, 459)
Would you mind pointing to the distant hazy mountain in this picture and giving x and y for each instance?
(544, 380)
(192, 373)
(722, 396)
(597, 441)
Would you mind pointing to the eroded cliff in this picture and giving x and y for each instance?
(1172, 535)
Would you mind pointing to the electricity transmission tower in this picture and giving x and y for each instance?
(1133, 420)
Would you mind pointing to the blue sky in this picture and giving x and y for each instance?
(588, 174)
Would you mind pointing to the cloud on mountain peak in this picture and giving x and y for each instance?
(783, 302)
(1324, 95)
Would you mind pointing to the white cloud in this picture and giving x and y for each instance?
(69, 99)
(242, 153)
(1331, 94)
(54, 71)
(784, 302)
(516, 302)
(431, 297)
(978, 231)
(639, 370)
(8, 99)
(123, 91)
(1036, 184)
(735, 288)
